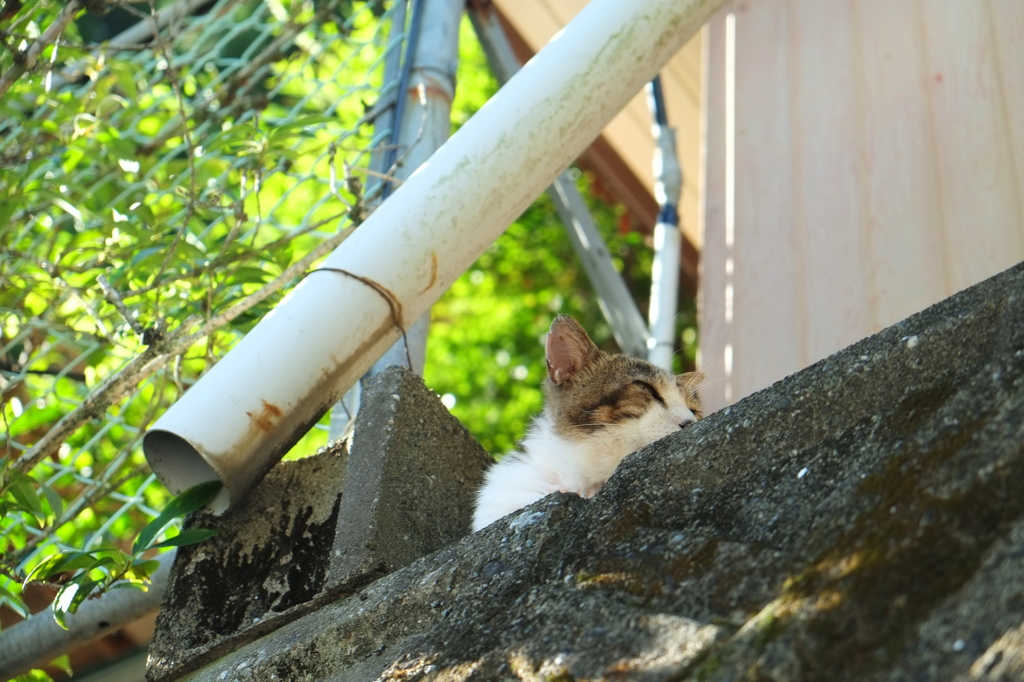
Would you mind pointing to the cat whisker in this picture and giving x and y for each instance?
(707, 367)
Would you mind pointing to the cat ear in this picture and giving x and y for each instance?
(690, 381)
(569, 349)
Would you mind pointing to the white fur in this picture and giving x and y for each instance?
(549, 463)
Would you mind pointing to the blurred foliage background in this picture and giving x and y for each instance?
(159, 196)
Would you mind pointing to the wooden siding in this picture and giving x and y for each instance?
(863, 159)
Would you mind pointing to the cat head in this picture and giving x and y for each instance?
(616, 402)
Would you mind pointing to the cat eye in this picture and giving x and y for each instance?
(650, 389)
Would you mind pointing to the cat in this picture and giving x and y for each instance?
(598, 408)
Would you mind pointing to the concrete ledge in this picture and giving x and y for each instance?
(271, 557)
(860, 520)
(321, 527)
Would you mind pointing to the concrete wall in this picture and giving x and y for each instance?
(859, 520)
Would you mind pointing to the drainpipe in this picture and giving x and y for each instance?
(252, 406)
(668, 182)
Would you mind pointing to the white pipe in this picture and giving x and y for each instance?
(245, 413)
(34, 642)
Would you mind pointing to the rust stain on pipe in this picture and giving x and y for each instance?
(429, 89)
(265, 419)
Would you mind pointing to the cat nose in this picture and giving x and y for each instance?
(686, 422)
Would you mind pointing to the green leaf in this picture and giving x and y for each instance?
(55, 501)
(125, 78)
(292, 155)
(34, 676)
(71, 597)
(113, 563)
(24, 493)
(62, 663)
(249, 274)
(142, 570)
(187, 537)
(62, 562)
(282, 132)
(117, 274)
(187, 502)
(14, 602)
(144, 254)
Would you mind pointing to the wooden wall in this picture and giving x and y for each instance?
(863, 160)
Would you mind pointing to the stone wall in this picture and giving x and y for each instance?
(860, 520)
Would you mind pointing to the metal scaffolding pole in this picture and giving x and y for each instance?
(668, 183)
(415, 123)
